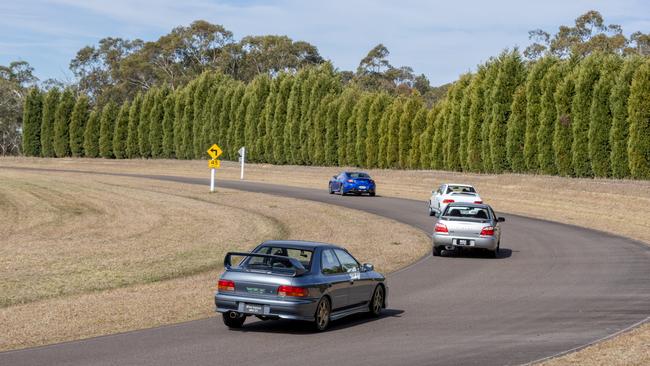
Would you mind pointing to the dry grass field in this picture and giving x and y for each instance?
(85, 255)
(608, 205)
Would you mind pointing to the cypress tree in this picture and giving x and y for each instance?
(156, 117)
(475, 123)
(563, 132)
(168, 148)
(259, 91)
(418, 126)
(639, 119)
(533, 110)
(264, 144)
(121, 132)
(490, 78)
(326, 83)
(348, 99)
(378, 105)
(239, 139)
(292, 126)
(426, 139)
(453, 125)
(179, 113)
(91, 136)
(392, 148)
(216, 129)
(439, 132)
(280, 120)
(517, 130)
(78, 122)
(321, 125)
(62, 124)
(132, 149)
(50, 103)
(106, 130)
(548, 115)
(405, 129)
(187, 122)
(383, 134)
(331, 136)
(600, 122)
(511, 75)
(588, 74)
(465, 109)
(235, 125)
(199, 99)
(32, 119)
(620, 127)
(144, 123)
(361, 127)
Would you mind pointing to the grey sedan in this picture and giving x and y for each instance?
(467, 226)
(298, 280)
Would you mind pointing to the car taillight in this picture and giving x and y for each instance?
(487, 231)
(440, 228)
(478, 201)
(226, 285)
(292, 291)
(350, 180)
(448, 200)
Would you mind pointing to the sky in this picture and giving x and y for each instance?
(441, 39)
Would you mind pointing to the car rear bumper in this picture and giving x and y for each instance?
(296, 309)
(488, 242)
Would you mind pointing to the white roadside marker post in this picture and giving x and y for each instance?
(212, 171)
(242, 158)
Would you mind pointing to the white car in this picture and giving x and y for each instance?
(451, 192)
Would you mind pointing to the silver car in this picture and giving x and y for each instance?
(467, 226)
(298, 280)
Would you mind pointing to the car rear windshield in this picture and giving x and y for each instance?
(460, 189)
(358, 175)
(302, 255)
(467, 212)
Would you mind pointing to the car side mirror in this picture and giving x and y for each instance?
(501, 219)
(334, 176)
(367, 267)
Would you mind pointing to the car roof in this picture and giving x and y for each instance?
(459, 184)
(356, 172)
(468, 204)
(298, 244)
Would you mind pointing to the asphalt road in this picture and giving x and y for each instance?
(554, 287)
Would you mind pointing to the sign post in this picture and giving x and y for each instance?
(214, 151)
(242, 158)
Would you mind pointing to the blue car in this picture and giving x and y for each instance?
(352, 182)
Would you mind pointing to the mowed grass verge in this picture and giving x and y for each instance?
(608, 205)
(86, 255)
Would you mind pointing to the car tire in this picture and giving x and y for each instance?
(234, 323)
(431, 213)
(371, 194)
(330, 189)
(377, 302)
(437, 251)
(495, 253)
(342, 191)
(322, 315)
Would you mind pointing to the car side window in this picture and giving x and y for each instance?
(347, 261)
(329, 263)
(494, 215)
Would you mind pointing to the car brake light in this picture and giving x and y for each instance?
(350, 180)
(448, 200)
(226, 285)
(478, 201)
(487, 231)
(292, 291)
(441, 228)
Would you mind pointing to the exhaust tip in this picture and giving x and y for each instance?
(232, 315)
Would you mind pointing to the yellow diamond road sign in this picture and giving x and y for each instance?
(214, 151)
(214, 164)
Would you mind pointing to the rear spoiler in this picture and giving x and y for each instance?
(298, 267)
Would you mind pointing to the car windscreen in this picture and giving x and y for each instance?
(302, 255)
(467, 212)
(358, 175)
(460, 189)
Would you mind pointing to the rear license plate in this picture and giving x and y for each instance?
(362, 187)
(253, 308)
(464, 242)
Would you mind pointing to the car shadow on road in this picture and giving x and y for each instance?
(504, 253)
(298, 327)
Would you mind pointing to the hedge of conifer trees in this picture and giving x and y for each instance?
(573, 117)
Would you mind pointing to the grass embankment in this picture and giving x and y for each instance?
(85, 255)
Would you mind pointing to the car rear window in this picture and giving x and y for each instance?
(467, 212)
(358, 175)
(460, 189)
(302, 255)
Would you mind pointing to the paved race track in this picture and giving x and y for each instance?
(554, 287)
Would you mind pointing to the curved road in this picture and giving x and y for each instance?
(554, 287)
